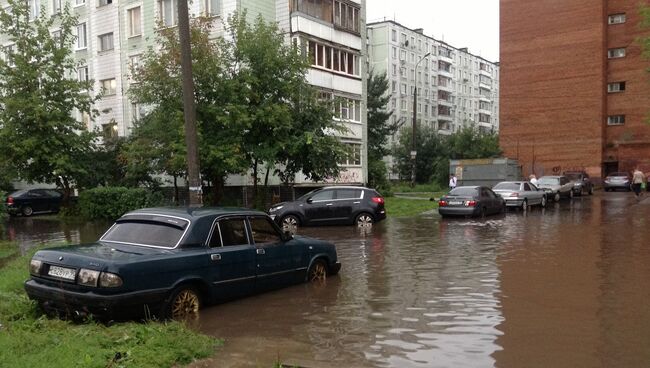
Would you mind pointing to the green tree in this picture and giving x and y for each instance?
(40, 138)
(285, 122)
(379, 129)
(220, 119)
(469, 143)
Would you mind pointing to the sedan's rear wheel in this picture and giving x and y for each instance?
(364, 219)
(543, 204)
(524, 205)
(27, 211)
(317, 272)
(183, 304)
(556, 197)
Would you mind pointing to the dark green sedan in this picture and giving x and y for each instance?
(169, 262)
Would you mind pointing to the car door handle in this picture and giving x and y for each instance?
(215, 257)
(329, 204)
(356, 202)
(261, 251)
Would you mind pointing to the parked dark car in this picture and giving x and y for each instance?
(617, 180)
(331, 206)
(471, 201)
(33, 201)
(171, 261)
(581, 182)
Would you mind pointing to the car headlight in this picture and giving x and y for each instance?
(107, 279)
(87, 277)
(273, 209)
(35, 267)
(577, 184)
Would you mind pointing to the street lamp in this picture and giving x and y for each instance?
(414, 152)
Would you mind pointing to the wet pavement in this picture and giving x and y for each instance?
(567, 286)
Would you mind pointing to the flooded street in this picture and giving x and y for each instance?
(567, 286)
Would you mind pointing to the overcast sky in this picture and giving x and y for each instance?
(460, 23)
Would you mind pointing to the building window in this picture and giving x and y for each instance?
(7, 54)
(81, 36)
(333, 59)
(402, 89)
(137, 112)
(354, 159)
(393, 35)
(109, 86)
(347, 109)
(133, 16)
(616, 120)
(616, 87)
(394, 69)
(79, 2)
(34, 9)
(213, 7)
(393, 87)
(105, 2)
(82, 74)
(616, 18)
(346, 16)
(316, 8)
(106, 42)
(616, 53)
(56, 6)
(168, 12)
(394, 50)
(483, 118)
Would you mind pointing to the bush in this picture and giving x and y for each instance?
(112, 202)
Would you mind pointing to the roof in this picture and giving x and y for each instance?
(191, 213)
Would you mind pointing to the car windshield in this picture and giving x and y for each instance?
(548, 181)
(507, 186)
(573, 176)
(148, 233)
(463, 191)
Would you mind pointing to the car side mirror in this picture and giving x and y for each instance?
(287, 235)
(309, 200)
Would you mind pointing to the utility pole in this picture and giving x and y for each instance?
(189, 107)
(414, 151)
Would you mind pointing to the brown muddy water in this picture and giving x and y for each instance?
(568, 286)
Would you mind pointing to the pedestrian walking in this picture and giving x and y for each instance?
(638, 179)
(532, 179)
(452, 181)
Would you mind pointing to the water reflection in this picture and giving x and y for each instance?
(562, 286)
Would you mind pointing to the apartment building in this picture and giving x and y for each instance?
(575, 92)
(113, 35)
(455, 88)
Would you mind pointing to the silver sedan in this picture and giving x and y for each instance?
(520, 194)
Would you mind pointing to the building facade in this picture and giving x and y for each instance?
(113, 35)
(574, 86)
(455, 88)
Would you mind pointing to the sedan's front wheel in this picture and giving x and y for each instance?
(183, 304)
(543, 204)
(524, 205)
(556, 197)
(317, 272)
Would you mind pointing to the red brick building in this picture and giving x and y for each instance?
(575, 90)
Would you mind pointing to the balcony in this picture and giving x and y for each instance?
(486, 73)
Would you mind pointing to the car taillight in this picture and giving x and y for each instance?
(442, 203)
(379, 200)
(470, 203)
(10, 200)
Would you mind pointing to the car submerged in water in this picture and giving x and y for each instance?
(471, 201)
(169, 262)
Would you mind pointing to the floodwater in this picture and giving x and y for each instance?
(568, 286)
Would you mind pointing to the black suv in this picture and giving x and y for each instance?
(581, 182)
(337, 205)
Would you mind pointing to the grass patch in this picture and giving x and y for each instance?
(7, 250)
(28, 339)
(405, 187)
(404, 207)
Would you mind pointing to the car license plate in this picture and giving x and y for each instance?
(61, 272)
(455, 203)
